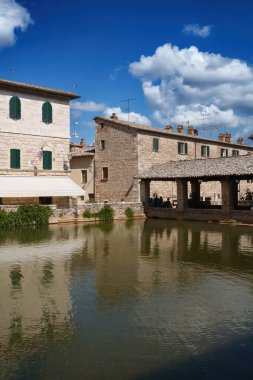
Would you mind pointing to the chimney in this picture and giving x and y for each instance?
(114, 116)
(168, 128)
(190, 130)
(228, 137)
(221, 136)
(180, 128)
(240, 141)
(82, 143)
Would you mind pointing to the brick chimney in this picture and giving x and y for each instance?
(114, 116)
(168, 128)
(221, 137)
(240, 141)
(82, 143)
(228, 137)
(180, 128)
(190, 130)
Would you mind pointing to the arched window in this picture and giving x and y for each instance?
(47, 116)
(15, 108)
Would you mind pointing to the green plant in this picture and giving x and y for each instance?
(88, 214)
(26, 215)
(106, 213)
(129, 212)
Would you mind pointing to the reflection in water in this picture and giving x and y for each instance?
(135, 299)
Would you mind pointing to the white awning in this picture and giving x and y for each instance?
(48, 186)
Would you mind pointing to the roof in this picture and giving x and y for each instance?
(31, 89)
(148, 128)
(76, 150)
(201, 168)
(44, 186)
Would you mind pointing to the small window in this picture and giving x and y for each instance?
(45, 200)
(182, 148)
(249, 180)
(84, 176)
(47, 160)
(235, 152)
(224, 152)
(155, 145)
(15, 108)
(47, 113)
(105, 173)
(15, 159)
(205, 151)
(102, 145)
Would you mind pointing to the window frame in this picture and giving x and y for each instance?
(155, 144)
(47, 113)
(224, 150)
(105, 169)
(205, 151)
(13, 159)
(44, 164)
(84, 171)
(102, 144)
(235, 151)
(15, 108)
(183, 145)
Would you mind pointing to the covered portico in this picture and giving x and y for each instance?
(228, 171)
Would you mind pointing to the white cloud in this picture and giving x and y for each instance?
(132, 116)
(12, 16)
(181, 84)
(196, 30)
(115, 72)
(78, 108)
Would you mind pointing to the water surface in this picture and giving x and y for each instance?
(150, 299)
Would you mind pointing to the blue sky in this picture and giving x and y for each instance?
(178, 60)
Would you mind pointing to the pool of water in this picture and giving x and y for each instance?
(148, 299)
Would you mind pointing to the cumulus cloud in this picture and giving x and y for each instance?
(196, 30)
(13, 16)
(132, 116)
(79, 107)
(181, 84)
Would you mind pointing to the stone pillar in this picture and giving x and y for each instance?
(182, 194)
(229, 194)
(195, 190)
(145, 191)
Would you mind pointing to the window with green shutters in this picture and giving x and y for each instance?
(47, 160)
(182, 148)
(47, 113)
(155, 145)
(205, 151)
(15, 159)
(15, 108)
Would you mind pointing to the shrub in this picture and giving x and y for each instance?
(26, 215)
(106, 213)
(129, 212)
(88, 214)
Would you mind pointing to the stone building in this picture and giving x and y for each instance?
(34, 145)
(124, 148)
(82, 166)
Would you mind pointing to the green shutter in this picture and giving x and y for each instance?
(208, 151)
(186, 148)
(15, 159)
(178, 148)
(155, 145)
(15, 108)
(47, 114)
(202, 150)
(47, 160)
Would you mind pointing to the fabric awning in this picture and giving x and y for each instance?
(44, 186)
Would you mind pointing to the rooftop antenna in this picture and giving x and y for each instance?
(128, 107)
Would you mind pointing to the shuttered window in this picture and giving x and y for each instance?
(47, 113)
(15, 108)
(15, 159)
(224, 152)
(47, 160)
(205, 151)
(155, 145)
(182, 148)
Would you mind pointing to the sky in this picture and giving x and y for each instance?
(182, 61)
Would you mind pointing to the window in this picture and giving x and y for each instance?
(15, 159)
(47, 114)
(47, 160)
(15, 108)
(102, 144)
(155, 145)
(235, 152)
(45, 200)
(182, 148)
(105, 173)
(84, 176)
(224, 152)
(205, 151)
(249, 180)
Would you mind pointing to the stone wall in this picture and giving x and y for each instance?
(120, 157)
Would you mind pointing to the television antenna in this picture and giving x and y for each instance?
(128, 107)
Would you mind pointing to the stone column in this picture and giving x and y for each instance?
(228, 190)
(182, 194)
(195, 190)
(145, 191)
